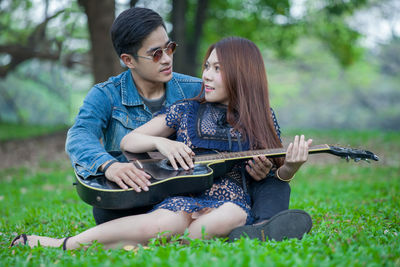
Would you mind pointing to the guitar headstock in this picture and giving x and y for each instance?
(352, 153)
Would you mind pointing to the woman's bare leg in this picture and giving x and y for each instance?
(132, 230)
(219, 222)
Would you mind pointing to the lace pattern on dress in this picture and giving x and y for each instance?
(205, 126)
(222, 191)
(177, 119)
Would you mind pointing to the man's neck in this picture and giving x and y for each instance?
(148, 89)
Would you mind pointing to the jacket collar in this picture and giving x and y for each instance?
(131, 97)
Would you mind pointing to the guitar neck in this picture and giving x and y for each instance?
(271, 153)
(347, 153)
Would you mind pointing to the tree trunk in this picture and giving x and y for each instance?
(178, 34)
(132, 3)
(101, 15)
(194, 43)
(185, 59)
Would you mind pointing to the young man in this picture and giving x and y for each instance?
(124, 102)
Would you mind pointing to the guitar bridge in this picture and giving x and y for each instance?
(138, 164)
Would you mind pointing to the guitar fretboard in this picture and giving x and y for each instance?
(277, 152)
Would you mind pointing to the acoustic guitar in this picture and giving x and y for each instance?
(165, 181)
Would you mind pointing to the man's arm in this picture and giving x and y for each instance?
(87, 153)
(83, 143)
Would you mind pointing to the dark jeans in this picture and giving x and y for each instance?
(104, 215)
(269, 196)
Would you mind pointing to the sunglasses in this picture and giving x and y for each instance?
(157, 55)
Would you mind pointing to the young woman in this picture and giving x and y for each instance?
(233, 115)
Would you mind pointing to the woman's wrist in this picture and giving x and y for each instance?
(157, 142)
(284, 174)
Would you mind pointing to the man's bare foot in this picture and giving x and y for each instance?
(34, 240)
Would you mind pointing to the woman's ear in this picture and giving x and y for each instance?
(128, 60)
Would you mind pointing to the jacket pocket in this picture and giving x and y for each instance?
(121, 124)
(127, 121)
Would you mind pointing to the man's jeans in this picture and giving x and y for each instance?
(269, 196)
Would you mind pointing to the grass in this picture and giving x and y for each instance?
(355, 209)
(10, 131)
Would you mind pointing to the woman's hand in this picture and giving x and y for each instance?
(175, 152)
(296, 155)
(259, 167)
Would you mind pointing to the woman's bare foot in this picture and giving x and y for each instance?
(34, 240)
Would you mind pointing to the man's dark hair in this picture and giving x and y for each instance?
(131, 27)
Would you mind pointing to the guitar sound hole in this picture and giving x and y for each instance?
(165, 163)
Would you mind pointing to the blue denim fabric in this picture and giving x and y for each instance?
(110, 111)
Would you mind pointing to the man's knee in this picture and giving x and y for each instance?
(269, 197)
(271, 184)
(105, 215)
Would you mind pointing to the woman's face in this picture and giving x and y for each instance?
(214, 87)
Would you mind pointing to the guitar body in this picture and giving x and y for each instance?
(98, 191)
(165, 182)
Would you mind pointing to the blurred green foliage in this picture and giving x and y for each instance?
(12, 131)
(311, 90)
(319, 74)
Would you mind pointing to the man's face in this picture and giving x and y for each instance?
(145, 69)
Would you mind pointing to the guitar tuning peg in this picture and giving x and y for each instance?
(357, 159)
(347, 158)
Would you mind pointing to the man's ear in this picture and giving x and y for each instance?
(128, 60)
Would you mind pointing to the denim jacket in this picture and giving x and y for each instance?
(110, 111)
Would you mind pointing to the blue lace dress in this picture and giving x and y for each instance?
(204, 126)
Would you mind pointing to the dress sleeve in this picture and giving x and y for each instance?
(174, 114)
(276, 125)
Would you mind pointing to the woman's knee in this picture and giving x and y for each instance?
(165, 221)
(234, 214)
(220, 222)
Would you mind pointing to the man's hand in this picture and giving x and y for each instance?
(259, 167)
(127, 175)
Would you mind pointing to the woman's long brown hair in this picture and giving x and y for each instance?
(245, 78)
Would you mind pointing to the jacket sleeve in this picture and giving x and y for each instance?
(84, 139)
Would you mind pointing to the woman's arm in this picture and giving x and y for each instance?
(153, 135)
(296, 155)
(144, 138)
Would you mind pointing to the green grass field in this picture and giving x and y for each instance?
(355, 209)
(10, 131)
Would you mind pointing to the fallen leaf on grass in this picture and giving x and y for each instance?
(133, 248)
(48, 187)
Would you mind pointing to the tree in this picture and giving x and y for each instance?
(188, 32)
(269, 23)
(26, 39)
(22, 44)
(28, 36)
(100, 15)
(78, 31)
